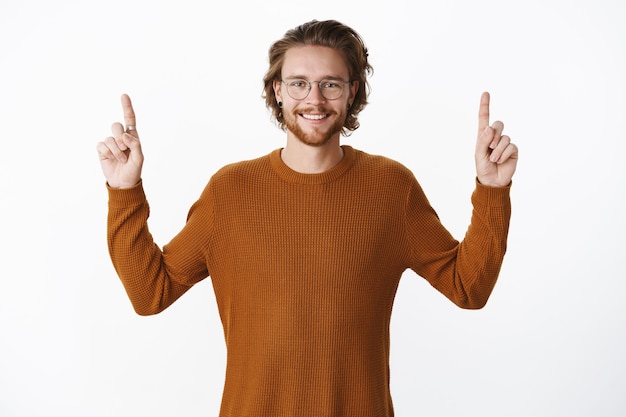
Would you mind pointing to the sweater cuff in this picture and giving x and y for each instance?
(491, 196)
(126, 197)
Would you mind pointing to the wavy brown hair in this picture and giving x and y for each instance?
(332, 34)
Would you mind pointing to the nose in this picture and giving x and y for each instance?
(315, 93)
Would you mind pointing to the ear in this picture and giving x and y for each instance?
(354, 87)
(276, 85)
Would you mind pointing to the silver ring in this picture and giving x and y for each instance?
(130, 127)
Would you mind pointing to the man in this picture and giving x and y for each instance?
(305, 246)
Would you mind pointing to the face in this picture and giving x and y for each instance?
(314, 120)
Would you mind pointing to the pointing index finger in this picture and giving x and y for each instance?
(483, 112)
(129, 113)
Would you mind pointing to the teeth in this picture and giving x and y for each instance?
(314, 116)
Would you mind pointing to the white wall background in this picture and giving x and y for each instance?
(550, 342)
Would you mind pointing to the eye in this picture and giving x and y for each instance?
(298, 84)
(330, 84)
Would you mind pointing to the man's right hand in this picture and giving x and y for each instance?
(120, 154)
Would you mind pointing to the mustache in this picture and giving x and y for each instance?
(309, 109)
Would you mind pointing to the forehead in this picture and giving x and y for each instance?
(314, 62)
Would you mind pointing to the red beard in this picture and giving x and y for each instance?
(317, 137)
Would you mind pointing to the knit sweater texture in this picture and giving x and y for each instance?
(305, 268)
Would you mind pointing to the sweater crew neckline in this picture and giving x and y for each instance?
(289, 175)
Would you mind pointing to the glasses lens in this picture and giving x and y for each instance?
(331, 89)
(298, 89)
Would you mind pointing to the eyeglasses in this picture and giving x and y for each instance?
(330, 89)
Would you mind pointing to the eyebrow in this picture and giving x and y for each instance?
(302, 77)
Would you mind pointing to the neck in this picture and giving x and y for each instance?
(308, 159)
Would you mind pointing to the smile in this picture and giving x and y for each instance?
(314, 116)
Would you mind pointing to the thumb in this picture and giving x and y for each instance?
(134, 146)
(131, 142)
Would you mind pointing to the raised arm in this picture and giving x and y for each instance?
(138, 261)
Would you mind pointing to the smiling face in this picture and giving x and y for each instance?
(314, 120)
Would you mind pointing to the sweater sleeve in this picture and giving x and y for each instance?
(153, 278)
(465, 272)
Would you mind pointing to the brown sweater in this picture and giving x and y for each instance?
(305, 268)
